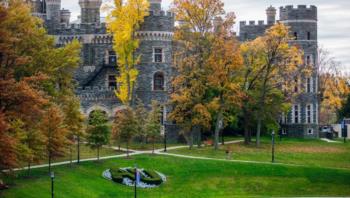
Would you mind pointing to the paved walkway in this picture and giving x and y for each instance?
(161, 152)
(131, 153)
(330, 141)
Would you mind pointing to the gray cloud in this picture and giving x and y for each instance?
(334, 17)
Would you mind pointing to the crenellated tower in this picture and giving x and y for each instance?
(90, 11)
(53, 8)
(303, 117)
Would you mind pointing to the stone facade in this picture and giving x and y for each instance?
(96, 74)
(302, 120)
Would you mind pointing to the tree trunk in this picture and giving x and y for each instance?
(218, 127)
(191, 139)
(127, 149)
(78, 149)
(258, 132)
(28, 171)
(247, 134)
(49, 163)
(222, 138)
(98, 153)
(71, 155)
(199, 139)
(153, 146)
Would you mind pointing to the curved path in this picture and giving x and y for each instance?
(160, 152)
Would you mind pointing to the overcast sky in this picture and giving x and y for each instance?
(333, 16)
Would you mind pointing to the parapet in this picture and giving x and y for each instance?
(162, 13)
(301, 12)
(252, 23)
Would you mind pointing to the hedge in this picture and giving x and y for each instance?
(152, 179)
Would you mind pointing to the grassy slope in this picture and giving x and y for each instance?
(187, 178)
(309, 152)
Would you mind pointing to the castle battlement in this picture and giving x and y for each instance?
(252, 23)
(301, 12)
(299, 7)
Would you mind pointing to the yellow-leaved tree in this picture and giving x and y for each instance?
(123, 20)
(271, 65)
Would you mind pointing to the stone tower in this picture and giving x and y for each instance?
(302, 121)
(90, 11)
(271, 15)
(53, 8)
(156, 36)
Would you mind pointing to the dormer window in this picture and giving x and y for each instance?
(157, 55)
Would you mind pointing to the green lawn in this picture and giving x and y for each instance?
(186, 178)
(294, 151)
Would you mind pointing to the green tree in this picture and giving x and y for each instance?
(125, 126)
(153, 125)
(74, 121)
(344, 111)
(98, 132)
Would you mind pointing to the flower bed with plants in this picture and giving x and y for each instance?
(126, 176)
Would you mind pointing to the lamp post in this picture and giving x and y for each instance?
(52, 176)
(165, 139)
(273, 146)
(137, 178)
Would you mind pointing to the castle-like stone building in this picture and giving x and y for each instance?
(96, 75)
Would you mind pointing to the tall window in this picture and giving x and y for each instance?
(308, 36)
(308, 114)
(296, 114)
(296, 85)
(158, 81)
(157, 55)
(112, 81)
(295, 35)
(308, 60)
(308, 85)
(112, 58)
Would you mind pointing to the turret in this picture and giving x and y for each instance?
(65, 16)
(271, 15)
(53, 8)
(90, 11)
(155, 5)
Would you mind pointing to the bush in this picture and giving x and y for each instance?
(152, 178)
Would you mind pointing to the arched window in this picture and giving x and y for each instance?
(158, 81)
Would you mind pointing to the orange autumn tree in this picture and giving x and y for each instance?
(224, 73)
(33, 73)
(333, 87)
(52, 126)
(194, 37)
